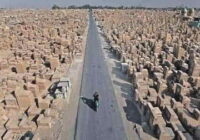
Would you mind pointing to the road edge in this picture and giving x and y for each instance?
(81, 75)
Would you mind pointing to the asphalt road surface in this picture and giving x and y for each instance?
(106, 123)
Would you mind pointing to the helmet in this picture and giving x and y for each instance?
(96, 93)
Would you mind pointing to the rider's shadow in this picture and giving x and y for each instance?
(89, 102)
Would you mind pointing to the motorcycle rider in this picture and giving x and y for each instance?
(96, 96)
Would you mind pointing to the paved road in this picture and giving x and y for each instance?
(106, 124)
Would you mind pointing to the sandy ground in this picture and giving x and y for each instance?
(4, 53)
(123, 92)
(70, 112)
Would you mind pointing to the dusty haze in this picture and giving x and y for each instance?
(49, 3)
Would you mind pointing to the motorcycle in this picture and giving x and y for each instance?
(96, 103)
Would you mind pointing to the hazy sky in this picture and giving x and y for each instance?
(49, 3)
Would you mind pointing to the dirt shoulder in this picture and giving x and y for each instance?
(123, 92)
